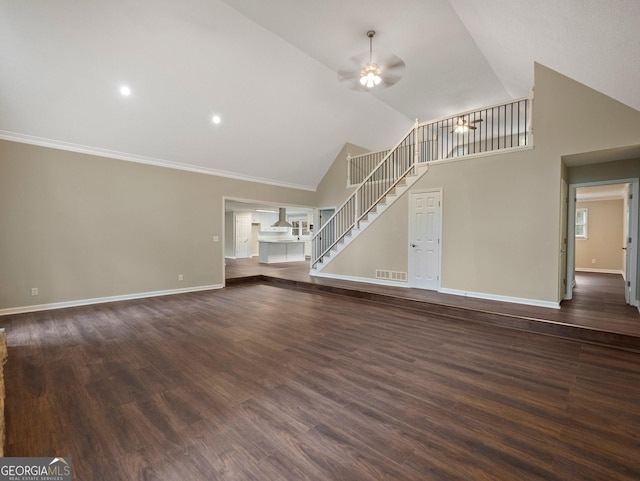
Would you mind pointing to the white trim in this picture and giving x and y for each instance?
(102, 300)
(140, 159)
(600, 271)
(487, 153)
(495, 297)
(367, 280)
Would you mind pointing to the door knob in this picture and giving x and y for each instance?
(413, 245)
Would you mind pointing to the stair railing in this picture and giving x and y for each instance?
(359, 166)
(396, 164)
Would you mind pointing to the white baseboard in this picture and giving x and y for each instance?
(102, 300)
(494, 297)
(367, 280)
(599, 271)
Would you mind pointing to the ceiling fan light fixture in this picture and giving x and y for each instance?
(461, 126)
(370, 76)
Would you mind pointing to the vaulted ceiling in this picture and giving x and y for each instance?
(268, 69)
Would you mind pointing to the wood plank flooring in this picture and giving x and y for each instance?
(598, 304)
(254, 382)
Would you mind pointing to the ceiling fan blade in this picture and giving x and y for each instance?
(476, 121)
(391, 62)
(349, 71)
(389, 79)
(347, 75)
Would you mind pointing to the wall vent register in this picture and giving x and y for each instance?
(391, 275)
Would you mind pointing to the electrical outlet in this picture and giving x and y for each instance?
(34, 291)
(593, 261)
(216, 238)
(180, 277)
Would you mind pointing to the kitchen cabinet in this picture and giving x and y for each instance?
(281, 251)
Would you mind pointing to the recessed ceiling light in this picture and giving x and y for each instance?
(124, 90)
(216, 119)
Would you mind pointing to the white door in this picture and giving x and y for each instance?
(564, 207)
(424, 239)
(627, 246)
(243, 232)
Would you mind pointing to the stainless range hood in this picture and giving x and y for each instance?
(282, 219)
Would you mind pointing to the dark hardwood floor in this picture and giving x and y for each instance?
(255, 382)
(597, 312)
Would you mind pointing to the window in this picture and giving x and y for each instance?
(581, 223)
(300, 226)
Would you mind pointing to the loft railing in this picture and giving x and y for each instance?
(503, 126)
(360, 166)
(499, 127)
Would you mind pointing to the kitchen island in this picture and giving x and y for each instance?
(281, 251)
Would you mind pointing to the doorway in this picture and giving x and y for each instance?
(600, 235)
(324, 215)
(425, 225)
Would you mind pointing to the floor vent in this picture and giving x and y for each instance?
(391, 275)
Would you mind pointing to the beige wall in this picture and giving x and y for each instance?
(604, 240)
(332, 190)
(501, 214)
(380, 246)
(79, 227)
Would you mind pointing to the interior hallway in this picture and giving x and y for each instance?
(598, 309)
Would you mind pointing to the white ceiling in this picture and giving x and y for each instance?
(601, 192)
(268, 68)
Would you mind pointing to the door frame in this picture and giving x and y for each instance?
(564, 240)
(632, 275)
(411, 228)
(317, 224)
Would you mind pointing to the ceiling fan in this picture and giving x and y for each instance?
(462, 125)
(366, 71)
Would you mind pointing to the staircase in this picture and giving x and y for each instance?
(504, 127)
(395, 174)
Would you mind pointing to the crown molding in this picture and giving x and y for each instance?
(140, 159)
